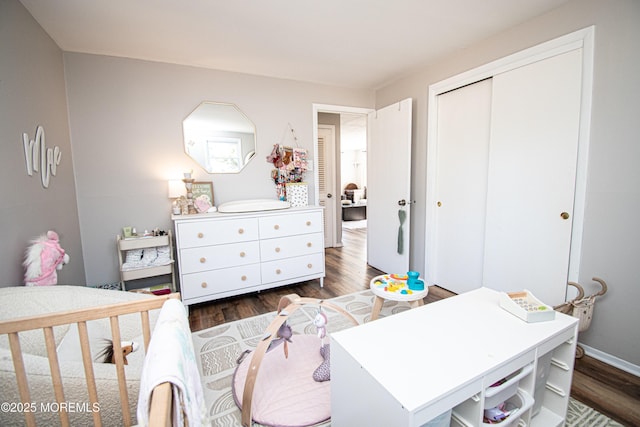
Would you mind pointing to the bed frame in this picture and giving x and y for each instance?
(161, 404)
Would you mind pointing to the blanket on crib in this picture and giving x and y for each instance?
(171, 358)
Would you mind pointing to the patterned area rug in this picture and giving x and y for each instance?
(218, 349)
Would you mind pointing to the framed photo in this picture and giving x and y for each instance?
(200, 188)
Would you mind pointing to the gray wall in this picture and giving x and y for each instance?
(611, 246)
(126, 131)
(32, 93)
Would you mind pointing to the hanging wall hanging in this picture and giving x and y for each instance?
(290, 163)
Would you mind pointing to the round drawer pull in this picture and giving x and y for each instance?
(309, 265)
(276, 227)
(277, 249)
(240, 230)
(243, 278)
(203, 284)
(278, 271)
(200, 235)
(203, 260)
(242, 254)
(308, 222)
(309, 244)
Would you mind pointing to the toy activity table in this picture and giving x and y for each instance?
(394, 287)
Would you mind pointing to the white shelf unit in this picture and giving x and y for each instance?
(126, 244)
(225, 254)
(409, 368)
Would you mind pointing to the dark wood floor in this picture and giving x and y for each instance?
(611, 391)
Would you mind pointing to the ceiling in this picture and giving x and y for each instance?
(349, 43)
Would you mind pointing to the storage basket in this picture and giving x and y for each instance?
(297, 194)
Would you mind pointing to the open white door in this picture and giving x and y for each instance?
(389, 187)
(326, 181)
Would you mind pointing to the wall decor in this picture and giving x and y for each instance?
(39, 158)
(202, 195)
(290, 165)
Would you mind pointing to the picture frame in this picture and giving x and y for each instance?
(203, 187)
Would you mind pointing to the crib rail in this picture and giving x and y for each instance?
(46, 322)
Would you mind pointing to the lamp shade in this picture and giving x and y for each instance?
(176, 188)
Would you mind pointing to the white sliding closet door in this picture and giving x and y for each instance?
(464, 118)
(535, 121)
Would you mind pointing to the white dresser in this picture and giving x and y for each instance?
(222, 254)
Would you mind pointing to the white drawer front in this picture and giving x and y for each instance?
(287, 247)
(220, 256)
(197, 285)
(289, 225)
(284, 269)
(216, 232)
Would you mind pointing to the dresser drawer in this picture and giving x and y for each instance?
(287, 247)
(193, 260)
(289, 268)
(289, 225)
(216, 232)
(197, 285)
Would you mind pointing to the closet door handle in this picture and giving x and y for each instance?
(564, 215)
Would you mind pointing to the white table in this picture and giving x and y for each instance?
(381, 285)
(407, 369)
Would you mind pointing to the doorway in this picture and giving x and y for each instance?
(353, 173)
(349, 156)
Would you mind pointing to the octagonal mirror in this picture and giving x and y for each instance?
(219, 137)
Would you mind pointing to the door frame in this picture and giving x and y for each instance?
(579, 39)
(335, 109)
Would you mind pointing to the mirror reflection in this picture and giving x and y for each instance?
(219, 137)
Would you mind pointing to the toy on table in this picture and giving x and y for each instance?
(414, 283)
(43, 259)
(404, 284)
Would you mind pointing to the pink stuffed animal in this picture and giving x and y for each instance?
(43, 258)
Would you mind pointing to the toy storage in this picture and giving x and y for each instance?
(465, 354)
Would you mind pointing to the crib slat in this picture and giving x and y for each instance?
(122, 380)
(161, 406)
(21, 376)
(87, 361)
(146, 329)
(56, 378)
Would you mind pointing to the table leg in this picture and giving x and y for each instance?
(377, 306)
(416, 303)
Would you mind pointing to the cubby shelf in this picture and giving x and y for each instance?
(127, 244)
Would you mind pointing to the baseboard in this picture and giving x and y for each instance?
(612, 360)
